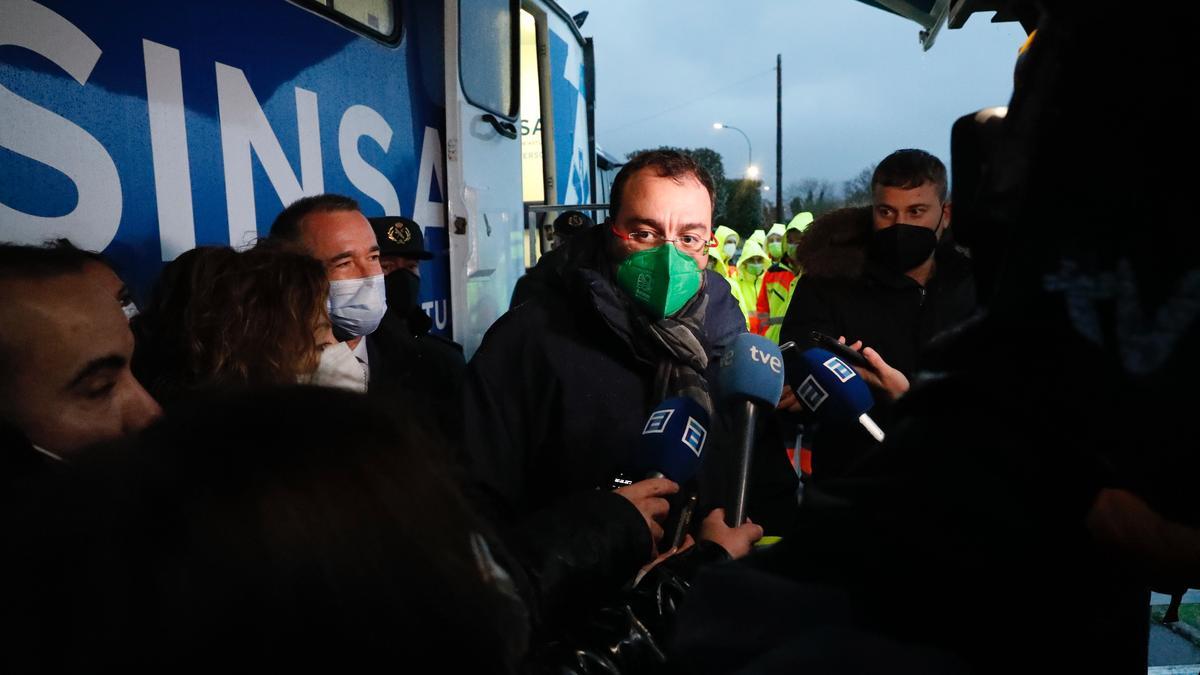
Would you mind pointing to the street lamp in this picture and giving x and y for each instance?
(751, 170)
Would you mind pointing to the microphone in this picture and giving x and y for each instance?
(670, 446)
(672, 440)
(834, 391)
(751, 374)
(671, 443)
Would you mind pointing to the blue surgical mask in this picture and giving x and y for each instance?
(356, 306)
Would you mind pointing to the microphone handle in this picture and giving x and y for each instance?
(685, 521)
(746, 419)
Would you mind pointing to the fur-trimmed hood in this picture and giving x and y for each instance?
(834, 245)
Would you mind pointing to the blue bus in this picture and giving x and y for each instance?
(143, 129)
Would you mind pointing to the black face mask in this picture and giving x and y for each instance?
(401, 287)
(901, 247)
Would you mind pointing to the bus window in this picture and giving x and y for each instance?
(376, 18)
(532, 174)
(374, 14)
(488, 54)
(532, 187)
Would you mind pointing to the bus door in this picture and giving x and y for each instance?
(558, 146)
(483, 163)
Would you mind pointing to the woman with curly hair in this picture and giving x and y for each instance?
(226, 318)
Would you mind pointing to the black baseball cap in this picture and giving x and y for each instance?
(571, 222)
(398, 235)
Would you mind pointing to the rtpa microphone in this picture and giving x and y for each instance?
(834, 391)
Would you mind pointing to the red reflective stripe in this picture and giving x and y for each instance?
(806, 461)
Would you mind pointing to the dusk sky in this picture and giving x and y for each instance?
(856, 83)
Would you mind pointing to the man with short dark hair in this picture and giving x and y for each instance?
(905, 283)
(288, 225)
(65, 348)
(331, 229)
(560, 389)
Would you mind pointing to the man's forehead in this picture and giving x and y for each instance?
(337, 228)
(648, 178)
(675, 200)
(65, 320)
(925, 193)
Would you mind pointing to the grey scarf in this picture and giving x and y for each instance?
(674, 345)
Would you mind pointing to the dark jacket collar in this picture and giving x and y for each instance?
(951, 267)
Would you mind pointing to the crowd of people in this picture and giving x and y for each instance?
(275, 462)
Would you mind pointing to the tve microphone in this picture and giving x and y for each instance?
(751, 375)
(672, 440)
(834, 391)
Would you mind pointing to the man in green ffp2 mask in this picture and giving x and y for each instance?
(663, 230)
(606, 327)
(661, 279)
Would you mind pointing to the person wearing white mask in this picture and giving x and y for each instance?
(260, 317)
(332, 229)
(336, 364)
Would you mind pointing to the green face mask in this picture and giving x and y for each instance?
(661, 279)
(754, 268)
(775, 249)
(792, 251)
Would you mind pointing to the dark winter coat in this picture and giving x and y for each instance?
(555, 402)
(420, 372)
(844, 293)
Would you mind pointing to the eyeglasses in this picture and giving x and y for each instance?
(650, 239)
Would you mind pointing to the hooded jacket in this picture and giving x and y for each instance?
(721, 234)
(799, 223)
(749, 284)
(777, 229)
(759, 235)
(555, 402)
(775, 294)
(730, 282)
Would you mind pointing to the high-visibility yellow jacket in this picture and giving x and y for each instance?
(774, 296)
(749, 284)
(776, 229)
(721, 234)
(800, 223)
(734, 289)
(760, 236)
(776, 292)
